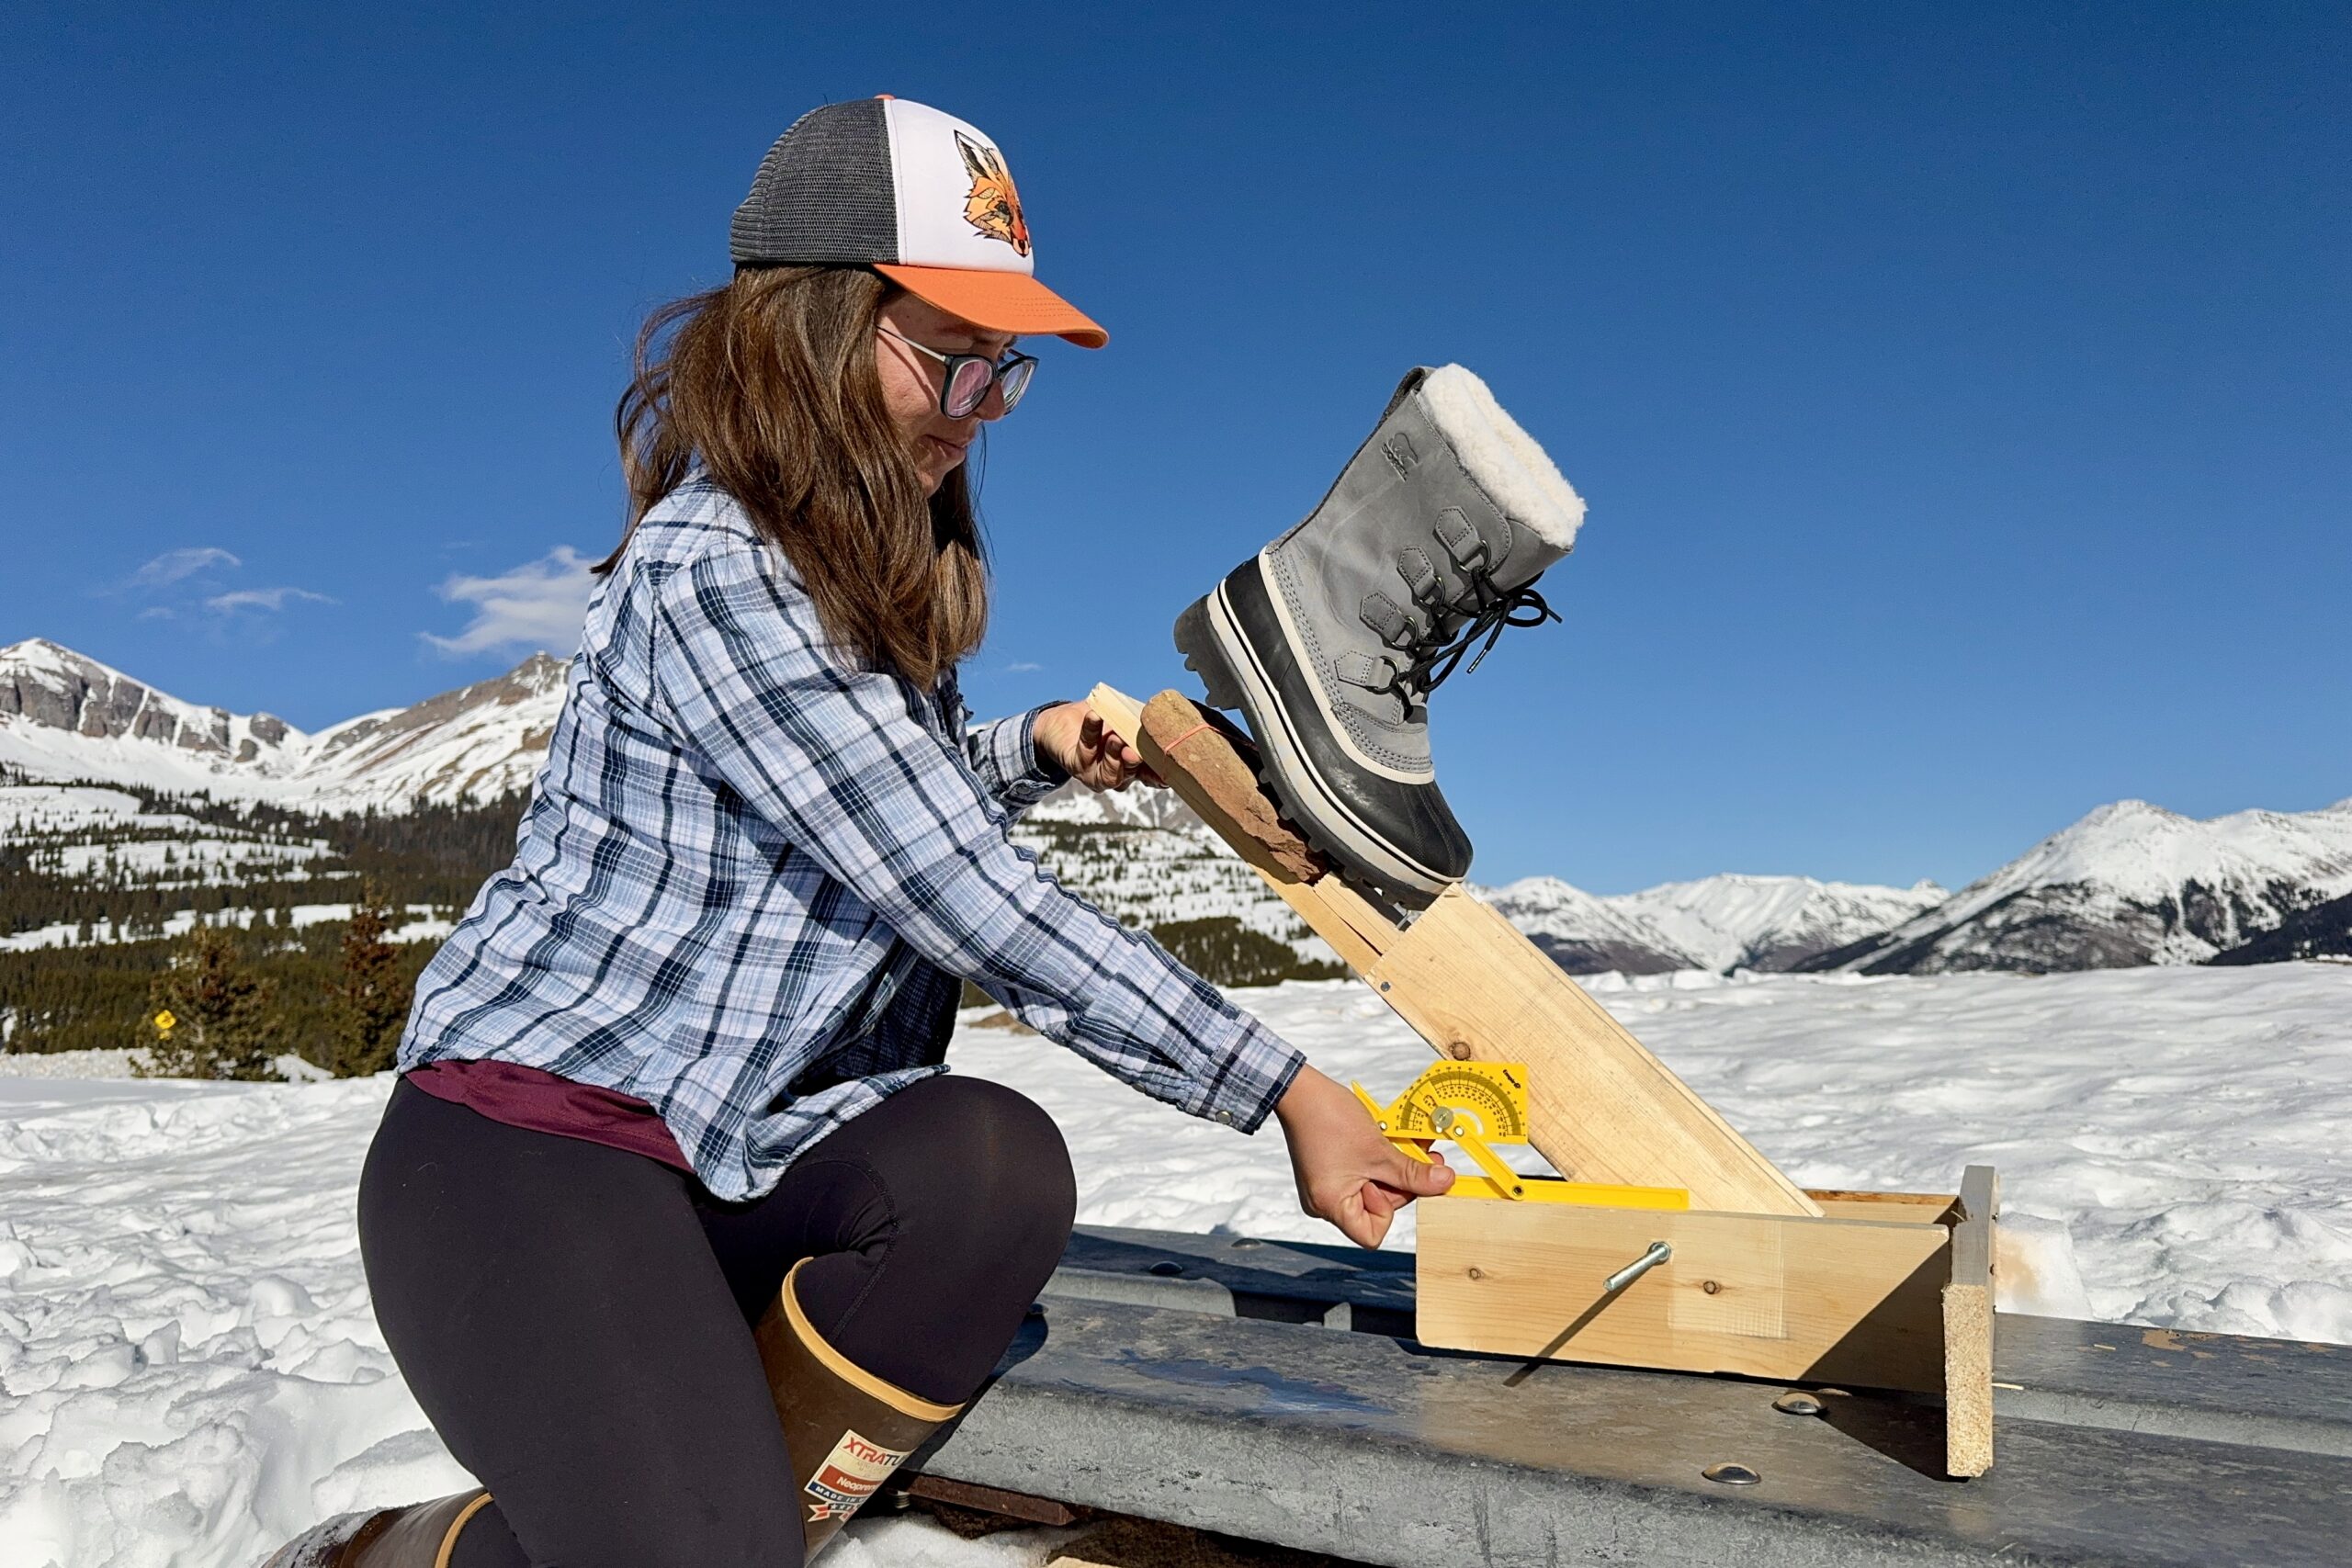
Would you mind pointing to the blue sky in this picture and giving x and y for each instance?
(1958, 392)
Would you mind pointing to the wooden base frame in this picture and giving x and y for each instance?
(1886, 1290)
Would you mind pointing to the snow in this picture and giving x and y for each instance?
(419, 924)
(192, 1372)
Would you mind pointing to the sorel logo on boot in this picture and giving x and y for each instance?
(1398, 450)
(849, 1476)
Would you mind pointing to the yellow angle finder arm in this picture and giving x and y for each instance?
(1478, 1103)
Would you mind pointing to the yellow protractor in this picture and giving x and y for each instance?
(1492, 1094)
(1473, 1104)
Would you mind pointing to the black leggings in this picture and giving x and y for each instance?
(576, 1320)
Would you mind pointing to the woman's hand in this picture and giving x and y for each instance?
(1348, 1173)
(1073, 736)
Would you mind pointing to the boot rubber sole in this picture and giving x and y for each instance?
(1209, 637)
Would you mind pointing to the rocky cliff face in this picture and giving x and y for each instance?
(45, 687)
(65, 716)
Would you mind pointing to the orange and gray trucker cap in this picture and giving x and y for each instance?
(919, 196)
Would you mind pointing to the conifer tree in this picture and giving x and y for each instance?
(222, 1023)
(369, 1000)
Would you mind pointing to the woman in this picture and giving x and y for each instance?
(673, 1224)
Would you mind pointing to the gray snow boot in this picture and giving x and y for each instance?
(1331, 639)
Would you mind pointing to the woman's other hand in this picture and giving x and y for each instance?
(1073, 736)
(1348, 1173)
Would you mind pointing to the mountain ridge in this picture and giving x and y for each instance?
(2128, 883)
(64, 714)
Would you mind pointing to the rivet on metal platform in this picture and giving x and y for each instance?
(1731, 1474)
(1796, 1402)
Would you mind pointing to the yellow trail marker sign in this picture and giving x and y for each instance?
(165, 1020)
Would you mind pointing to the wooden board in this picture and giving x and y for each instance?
(1196, 751)
(1603, 1109)
(1968, 1325)
(1848, 1301)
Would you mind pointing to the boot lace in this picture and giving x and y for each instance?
(1431, 655)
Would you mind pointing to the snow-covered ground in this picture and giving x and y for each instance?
(192, 1373)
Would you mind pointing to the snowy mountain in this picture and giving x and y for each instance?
(2323, 931)
(1723, 923)
(2129, 883)
(64, 715)
(475, 744)
(1586, 934)
(1772, 923)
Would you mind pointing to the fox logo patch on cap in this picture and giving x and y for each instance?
(993, 206)
(918, 195)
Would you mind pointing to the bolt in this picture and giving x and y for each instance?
(1796, 1402)
(1660, 1252)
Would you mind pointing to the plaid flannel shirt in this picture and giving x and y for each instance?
(753, 872)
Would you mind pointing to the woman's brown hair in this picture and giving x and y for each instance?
(770, 383)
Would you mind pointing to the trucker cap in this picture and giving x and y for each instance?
(919, 196)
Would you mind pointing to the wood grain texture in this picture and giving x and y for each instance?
(1601, 1108)
(1914, 1208)
(1188, 746)
(1342, 917)
(1968, 1325)
(1848, 1301)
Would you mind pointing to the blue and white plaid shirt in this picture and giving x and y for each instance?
(754, 872)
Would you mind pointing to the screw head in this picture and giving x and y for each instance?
(1166, 1270)
(1731, 1474)
(1796, 1402)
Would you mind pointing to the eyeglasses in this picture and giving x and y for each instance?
(969, 376)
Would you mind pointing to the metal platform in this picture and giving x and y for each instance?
(1200, 1381)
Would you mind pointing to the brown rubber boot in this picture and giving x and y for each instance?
(419, 1536)
(847, 1430)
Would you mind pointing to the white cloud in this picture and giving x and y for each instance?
(1022, 667)
(174, 566)
(536, 605)
(262, 599)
